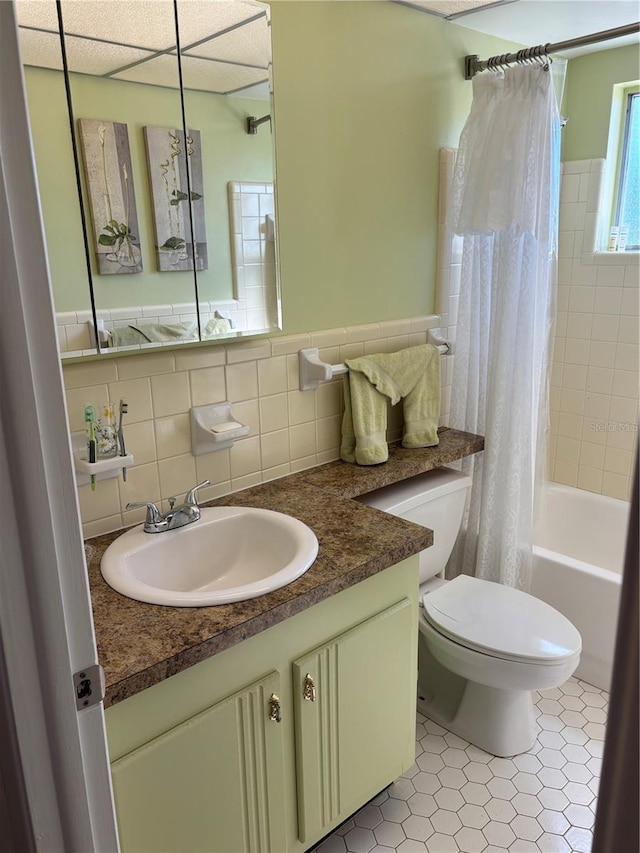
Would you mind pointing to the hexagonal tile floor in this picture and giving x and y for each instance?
(459, 798)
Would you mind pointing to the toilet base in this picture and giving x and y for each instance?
(501, 722)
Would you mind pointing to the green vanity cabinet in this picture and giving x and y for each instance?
(354, 717)
(212, 783)
(267, 746)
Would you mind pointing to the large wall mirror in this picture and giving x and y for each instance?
(153, 137)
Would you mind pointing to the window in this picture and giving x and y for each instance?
(627, 211)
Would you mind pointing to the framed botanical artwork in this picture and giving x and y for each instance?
(169, 156)
(112, 200)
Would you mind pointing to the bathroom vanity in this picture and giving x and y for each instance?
(264, 724)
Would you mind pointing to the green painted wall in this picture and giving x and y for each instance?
(587, 102)
(366, 93)
(228, 153)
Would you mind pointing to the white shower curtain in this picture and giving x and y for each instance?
(505, 203)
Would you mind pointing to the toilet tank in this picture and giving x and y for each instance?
(436, 500)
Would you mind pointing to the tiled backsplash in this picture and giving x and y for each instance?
(290, 429)
(594, 380)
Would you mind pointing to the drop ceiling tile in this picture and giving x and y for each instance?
(161, 71)
(40, 49)
(200, 74)
(37, 13)
(86, 56)
(199, 19)
(249, 45)
(218, 76)
(445, 8)
(149, 24)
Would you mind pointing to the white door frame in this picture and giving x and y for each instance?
(46, 628)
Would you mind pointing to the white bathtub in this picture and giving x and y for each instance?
(577, 568)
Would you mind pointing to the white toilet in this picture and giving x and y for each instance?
(483, 647)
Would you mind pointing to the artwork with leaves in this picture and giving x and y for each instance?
(168, 159)
(109, 177)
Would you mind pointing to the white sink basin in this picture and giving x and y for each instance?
(229, 554)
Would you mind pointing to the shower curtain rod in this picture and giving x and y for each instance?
(473, 64)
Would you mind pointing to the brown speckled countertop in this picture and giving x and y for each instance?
(141, 644)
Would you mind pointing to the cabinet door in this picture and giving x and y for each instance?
(355, 731)
(214, 783)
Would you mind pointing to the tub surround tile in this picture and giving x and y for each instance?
(355, 542)
(596, 342)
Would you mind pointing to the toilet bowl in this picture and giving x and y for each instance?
(483, 647)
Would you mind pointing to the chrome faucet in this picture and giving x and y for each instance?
(187, 512)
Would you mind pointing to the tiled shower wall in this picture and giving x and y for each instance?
(594, 380)
(448, 267)
(290, 430)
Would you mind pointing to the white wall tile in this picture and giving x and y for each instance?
(579, 325)
(173, 436)
(289, 344)
(272, 375)
(610, 276)
(245, 457)
(177, 475)
(302, 441)
(274, 447)
(248, 413)
(602, 353)
(626, 356)
(102, 502)
(608, 300)
(630, 302)
(576, 351)
(594, 399)
(599, 380)
(242, 381)
(215, 467)
(615, 485)
(274, 412)
(625, 384)
(207, 385)
(597, 405)
(328, 433)
(581, 298)
(142, 484)
(144, 365)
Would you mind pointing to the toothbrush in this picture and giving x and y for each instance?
(124, 407)
(89, 418)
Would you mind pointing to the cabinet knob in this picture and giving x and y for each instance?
(309, 689)
(274, 708)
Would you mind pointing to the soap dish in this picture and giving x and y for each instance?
(214, 427)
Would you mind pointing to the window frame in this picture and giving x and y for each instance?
(629, 95)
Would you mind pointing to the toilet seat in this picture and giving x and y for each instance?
(500, 621)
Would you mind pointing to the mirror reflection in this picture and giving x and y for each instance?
(172, 239)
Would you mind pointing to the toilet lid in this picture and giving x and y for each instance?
(501, 621)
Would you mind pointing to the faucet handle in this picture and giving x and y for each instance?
(190, 498)
(153, 513)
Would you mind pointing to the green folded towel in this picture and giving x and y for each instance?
(411, 375)
(146, 333)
